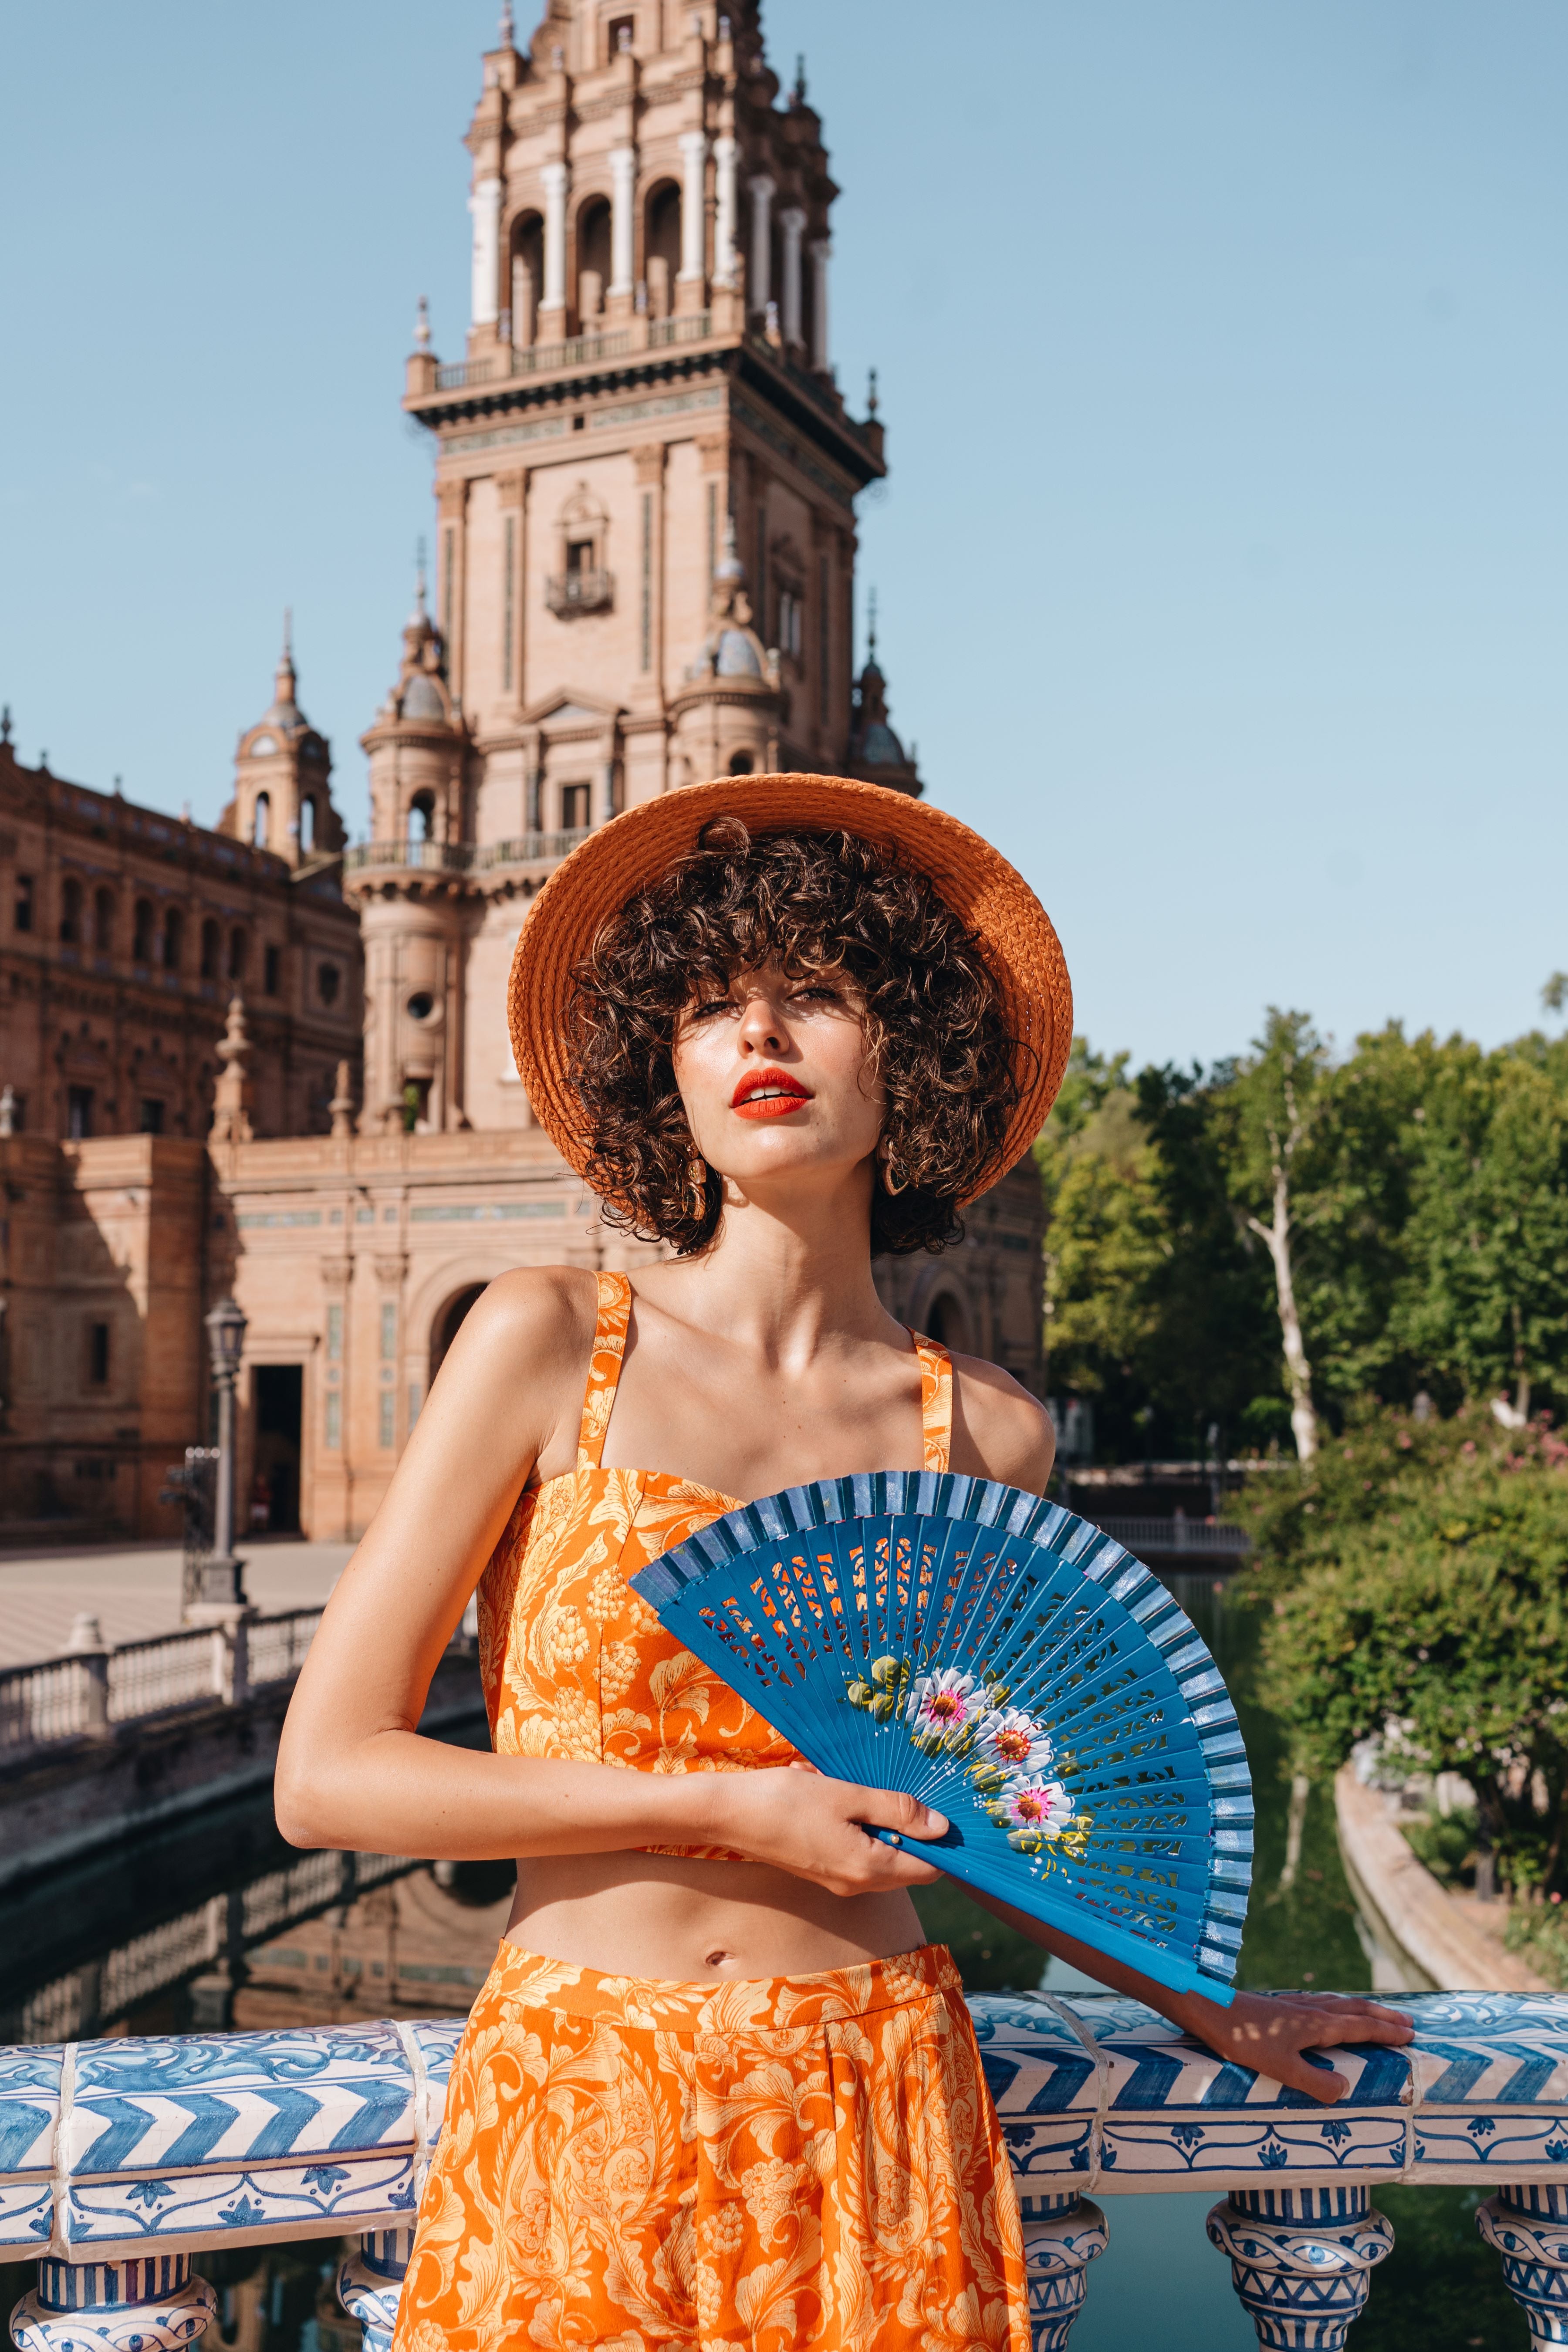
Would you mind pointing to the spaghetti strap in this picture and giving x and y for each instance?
(610, 1322)
(936, 1402)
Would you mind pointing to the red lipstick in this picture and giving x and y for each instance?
(768, 1094)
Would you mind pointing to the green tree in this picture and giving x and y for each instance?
(1276, 1097)
(1486, 1302)
(1442, 1611)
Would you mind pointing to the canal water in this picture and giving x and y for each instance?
(216, 1922)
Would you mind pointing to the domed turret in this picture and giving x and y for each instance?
(282, 793)
(876, 754)
(728, 712)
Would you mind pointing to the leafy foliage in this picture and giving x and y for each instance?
(1423, 1583)
(1428, 1231)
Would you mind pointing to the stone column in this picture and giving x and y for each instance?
(1062, 2235)
(693, 206)
(791, 220)
(821, 254)
(149, 2303)
(760, 289)
(622, 222)
(724, 153)
(484, 205)
(557, 179)
(1529, 2228)
(1300, 2259)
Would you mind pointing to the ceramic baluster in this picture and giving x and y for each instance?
(147, 2305)
(371, 2281)
(1301, 2261)
(1062, 2235)
(1529, 2228)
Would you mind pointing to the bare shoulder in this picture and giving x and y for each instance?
(999, 1430)
(522, 1351)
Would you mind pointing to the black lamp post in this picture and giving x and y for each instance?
(222, 1574)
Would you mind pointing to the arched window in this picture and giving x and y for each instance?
(307, 826)
(421, 816)
(740, 764)
(173, 938)
(103, 922)
(210, 948)
(662, 247)
(592, 260)
(262, 821)
(236, 950)
(142, 948)
(526, 276)
(71, 913)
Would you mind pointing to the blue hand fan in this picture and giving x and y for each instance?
(1012, 1667)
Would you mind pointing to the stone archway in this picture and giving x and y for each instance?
(448, 1321)
(946, 1319)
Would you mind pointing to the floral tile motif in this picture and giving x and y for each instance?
(26, 2216)
(1034, 2063)
(171, 2103)
(435, 2043)
(243, 2207)
(1051, 2152)
(1503, 2143)
(1137, 2156)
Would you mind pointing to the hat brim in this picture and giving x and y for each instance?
(621, 857)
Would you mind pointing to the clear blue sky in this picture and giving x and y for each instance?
(1223, 352)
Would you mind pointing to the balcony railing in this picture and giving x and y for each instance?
(530, 849)
(121, 2158)
(422, 856)
(577, 351)
(89, 1690)
(579, 591)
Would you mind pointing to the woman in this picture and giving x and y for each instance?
(716, 2090)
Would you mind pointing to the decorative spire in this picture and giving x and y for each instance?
(871, 632)
(232, 1094)
(419, 613)
(341, 1105)
(5, 723)
(285, 683)
(422, 326)
(507, 29)
(797, 95)
(871, 395)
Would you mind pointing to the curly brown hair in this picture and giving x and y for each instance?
(812, 902)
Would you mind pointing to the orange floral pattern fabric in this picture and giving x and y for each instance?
(750, 2166)
(574, 1663)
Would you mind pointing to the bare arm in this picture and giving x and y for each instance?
(353, 1770)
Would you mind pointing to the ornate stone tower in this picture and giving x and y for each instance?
(646, 478)
(282, 772)
(415, 911)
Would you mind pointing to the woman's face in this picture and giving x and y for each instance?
(775, 1078)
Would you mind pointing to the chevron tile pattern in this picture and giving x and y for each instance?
(109, 2146)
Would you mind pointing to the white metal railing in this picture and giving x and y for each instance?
(1176, 1535)
(90, 1691)
(120, 2159)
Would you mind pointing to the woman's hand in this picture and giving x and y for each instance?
(797, 1818)
(1273, 2032)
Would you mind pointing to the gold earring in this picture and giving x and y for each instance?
(697, 1189)
(888, 1184)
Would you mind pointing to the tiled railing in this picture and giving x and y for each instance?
(89, 1690)
(120, 2159)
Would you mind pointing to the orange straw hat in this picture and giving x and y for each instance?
(589, 888)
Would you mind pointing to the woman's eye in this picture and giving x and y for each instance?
(714, 1005)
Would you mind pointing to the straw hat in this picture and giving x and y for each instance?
(592, 886)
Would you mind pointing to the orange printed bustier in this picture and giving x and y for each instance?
(575, 1665)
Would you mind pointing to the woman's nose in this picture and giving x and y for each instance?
(761, 1027)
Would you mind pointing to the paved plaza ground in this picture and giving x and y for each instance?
(134, 1589)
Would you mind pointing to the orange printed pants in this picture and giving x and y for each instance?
(748, 2167)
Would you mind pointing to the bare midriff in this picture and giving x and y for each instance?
(670, 1916)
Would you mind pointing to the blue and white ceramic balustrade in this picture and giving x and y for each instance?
(121, 2159)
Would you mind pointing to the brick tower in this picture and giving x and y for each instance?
(645, 485)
